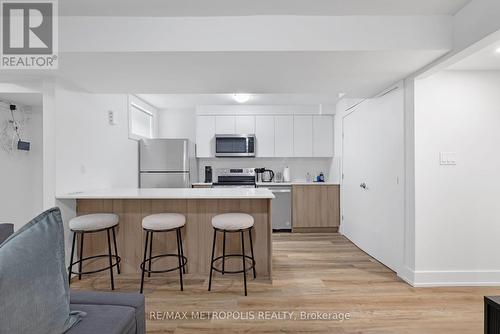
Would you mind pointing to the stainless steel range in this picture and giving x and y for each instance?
(234, 177)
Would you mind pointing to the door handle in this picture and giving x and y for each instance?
(363, 185)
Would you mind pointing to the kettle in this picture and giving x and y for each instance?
(267, 175)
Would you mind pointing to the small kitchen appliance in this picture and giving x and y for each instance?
(235, 146)
(208, 174)
(234, 177)
(267, 175)
(264, 175)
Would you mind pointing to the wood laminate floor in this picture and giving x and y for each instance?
(311, 273)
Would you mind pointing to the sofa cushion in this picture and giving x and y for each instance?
(33, 280)
(134, 300)
(105, 319)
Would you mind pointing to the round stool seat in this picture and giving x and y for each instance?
(163, 221)
(93, 222)
(232, 221)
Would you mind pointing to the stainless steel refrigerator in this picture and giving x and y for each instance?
(166, 163)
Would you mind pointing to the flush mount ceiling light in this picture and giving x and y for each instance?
(241, 98)
(498, 50)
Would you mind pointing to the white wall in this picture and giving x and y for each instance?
(457, 211)
(90, 153)
(81, 150)
(21, 173)
(177, 123)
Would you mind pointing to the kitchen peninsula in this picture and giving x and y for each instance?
(198, 205)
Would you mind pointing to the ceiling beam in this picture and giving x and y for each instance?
(255, 33)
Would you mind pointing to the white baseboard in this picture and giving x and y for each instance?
(407, 275)
(456, 278)
(422, 279)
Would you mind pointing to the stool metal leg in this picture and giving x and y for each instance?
(251, 248)
(224, 253)
(110, 261)
(244, 262)
(179, 257)
(212, 262)
(116, 251)
(150, 253)
(182, 251)
(71, 261)
(81, 256)
(144, 260)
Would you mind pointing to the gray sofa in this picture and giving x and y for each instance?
(107, 313)
(5, 231)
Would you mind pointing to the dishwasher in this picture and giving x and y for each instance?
(281, 208)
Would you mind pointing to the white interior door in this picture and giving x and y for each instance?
(373, 168)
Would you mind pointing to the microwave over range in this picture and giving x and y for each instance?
(235, 145)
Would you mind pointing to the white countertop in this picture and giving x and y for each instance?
(172, 193)
(277, 184)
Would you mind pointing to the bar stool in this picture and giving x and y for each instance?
(163, 222)
(94, 223)
(233, 223)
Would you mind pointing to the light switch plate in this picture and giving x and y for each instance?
(111, 117)
(448, 158)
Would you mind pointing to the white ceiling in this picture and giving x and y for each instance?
(359, 74)
(312, 57)
(165, 101)
(26, 99)
(485, 59)
(257, 7)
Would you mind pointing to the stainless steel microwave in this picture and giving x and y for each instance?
(235, 145)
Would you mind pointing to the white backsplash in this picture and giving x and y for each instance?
(299, 167)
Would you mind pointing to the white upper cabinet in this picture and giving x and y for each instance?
(244, 125)
(323, 136)
(283, 136)
(205, 136)
(225, 125)
(264, 133)
(276, 135)
(303, 136)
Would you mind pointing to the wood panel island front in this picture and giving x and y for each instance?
(198, 206)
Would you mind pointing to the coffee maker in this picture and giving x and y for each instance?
(264, 175)
(208, 174)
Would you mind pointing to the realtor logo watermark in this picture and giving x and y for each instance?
(29, 34)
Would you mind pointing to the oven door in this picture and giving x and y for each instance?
(235, 146)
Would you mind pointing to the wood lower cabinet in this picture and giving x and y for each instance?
(316, 208)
